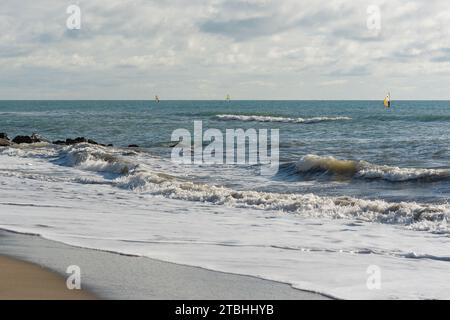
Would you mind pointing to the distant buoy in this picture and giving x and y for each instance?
(387, 101)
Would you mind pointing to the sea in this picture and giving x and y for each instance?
(358, 208)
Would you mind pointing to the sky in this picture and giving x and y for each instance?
(250, 49)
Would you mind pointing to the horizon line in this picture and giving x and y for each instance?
(281, 100)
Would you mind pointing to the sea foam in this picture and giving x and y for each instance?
(144, 212)
(94, 158)
(129, 174)
(257, 118)
(414, 215)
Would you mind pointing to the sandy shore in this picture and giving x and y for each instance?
(114, 276)
(26, 281)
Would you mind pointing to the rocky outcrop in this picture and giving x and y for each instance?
(92, 141)
(26, 139)
(38, 138)
(4, 142)
(70, 142)
(22, 139)
(133, 146)
(34, 138)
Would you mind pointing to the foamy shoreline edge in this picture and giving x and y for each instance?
(156, 279)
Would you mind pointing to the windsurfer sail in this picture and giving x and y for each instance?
(387, 101)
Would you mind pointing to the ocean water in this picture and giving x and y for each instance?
(358, 186)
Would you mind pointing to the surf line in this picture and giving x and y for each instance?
(239, 147)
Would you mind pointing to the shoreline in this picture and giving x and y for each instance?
(141, 278)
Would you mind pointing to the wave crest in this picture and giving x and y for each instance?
(94, 158)
(140, 177)
(423, 217)
(256, 118)
(366, 170)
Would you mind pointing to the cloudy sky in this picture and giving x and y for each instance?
(252, 49)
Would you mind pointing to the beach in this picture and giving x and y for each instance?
(113, 276)
(225, 149)
(357, 210)
(20, 280)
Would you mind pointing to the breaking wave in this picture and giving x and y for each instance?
(142, 178)
(424, 217)
(94, 158)
(256, 118)
(362, 169)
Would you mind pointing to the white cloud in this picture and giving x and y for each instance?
(283, 49)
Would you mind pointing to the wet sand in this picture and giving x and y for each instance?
(21, 280)
(113, 276)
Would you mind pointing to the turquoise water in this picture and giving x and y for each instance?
(412, 134)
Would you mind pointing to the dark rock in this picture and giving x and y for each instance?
(91, 141)
(27, 139)
(133, 146)
(22, 139)
(80, 140)
(4, 142)
(4, 136)
(38, 138)
(110, 145)
(70, 142)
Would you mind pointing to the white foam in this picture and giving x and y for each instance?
(410, 214)
(321, 255)
(142, 178)
(95, 158)
(256, 118)
(290, 238)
